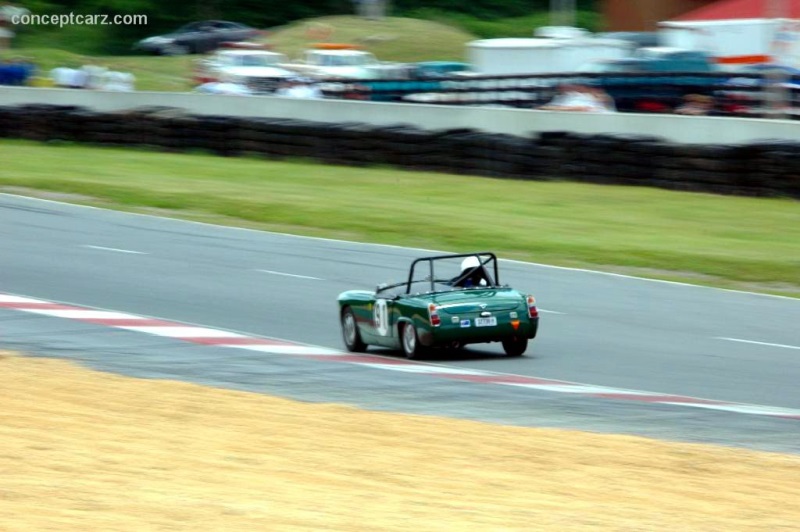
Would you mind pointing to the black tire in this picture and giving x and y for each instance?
(409, 341)
(350, 335)
(515, 346)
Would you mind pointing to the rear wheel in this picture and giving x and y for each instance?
(350, 334)
(410, 341)
(516, 346)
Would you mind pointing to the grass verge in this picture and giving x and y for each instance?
(738, 242)
(172, 74)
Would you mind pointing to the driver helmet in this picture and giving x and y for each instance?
(473, 269)
(469, 263)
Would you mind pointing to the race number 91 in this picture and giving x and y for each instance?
(380, 315)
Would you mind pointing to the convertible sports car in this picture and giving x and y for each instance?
(448, 301)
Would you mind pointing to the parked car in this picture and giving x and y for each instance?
(448, 301)
(440, 69)
(259, 70)
(655, 59)
(337, 61)
(196, 38)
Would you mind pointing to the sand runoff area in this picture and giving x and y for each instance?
(84, 450)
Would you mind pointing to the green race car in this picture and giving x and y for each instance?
(448, 301)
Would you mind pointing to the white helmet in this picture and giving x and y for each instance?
(470, 262)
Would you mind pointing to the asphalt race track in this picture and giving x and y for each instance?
(600, 329)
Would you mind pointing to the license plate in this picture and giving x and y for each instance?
(485, 322)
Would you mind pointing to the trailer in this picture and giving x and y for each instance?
(508, 56)
(738, 42)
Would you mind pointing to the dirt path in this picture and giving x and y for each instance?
(83, 450)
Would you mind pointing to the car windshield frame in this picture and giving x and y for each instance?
(488, 262)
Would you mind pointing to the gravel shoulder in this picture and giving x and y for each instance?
(87, 450)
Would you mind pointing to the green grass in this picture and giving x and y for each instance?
(152, 73)
(390, 39)
(736, 242)
(505, 27)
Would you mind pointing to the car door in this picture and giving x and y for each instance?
(383, 319)
(191, 36)
(233, 32)
(227, 32)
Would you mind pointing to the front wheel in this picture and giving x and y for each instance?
(516, 346)
(410, 341)
(350, 334)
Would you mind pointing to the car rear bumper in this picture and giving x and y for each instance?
(449, 334)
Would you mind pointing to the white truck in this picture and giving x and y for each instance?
(260, 70)
(549, 55)
(339, 61)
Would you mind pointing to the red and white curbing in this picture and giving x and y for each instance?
(222, 338)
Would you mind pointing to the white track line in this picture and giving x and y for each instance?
(78, 314)
(181, 331)
(291, 275)
(768, 344)
(290, 349)
(117, 250)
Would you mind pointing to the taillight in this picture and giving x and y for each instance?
(532, 312)
(433, 315)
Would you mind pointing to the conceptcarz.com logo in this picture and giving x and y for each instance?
(23, 17)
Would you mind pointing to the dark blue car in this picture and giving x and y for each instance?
(197, 38)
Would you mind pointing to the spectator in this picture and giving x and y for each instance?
(354, 91)
(695, 105)
(303, 88)
(78, 78)
(605, 103)
(5, 73)
(94, 76)
(651, 106)
(223, 87)
(117, 81)
(6, 31)
(572, 97)
(69, 78)
(737, 103)
(16, 72)
(7, 13)
(61, 76)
